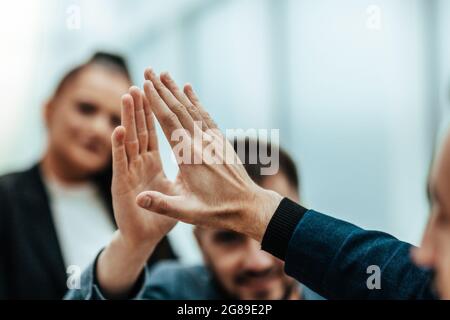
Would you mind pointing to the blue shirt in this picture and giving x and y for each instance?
(167, 281)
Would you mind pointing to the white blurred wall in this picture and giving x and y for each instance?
(357, 107)
(360, 107)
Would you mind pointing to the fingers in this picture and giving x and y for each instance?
(119, 155)
(129, 122)
(168, 120)
(167, 80)
(171, 101)
(140, 119)
(150, 122)
(172, 206)
(205, 117)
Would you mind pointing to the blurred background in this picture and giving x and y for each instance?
(357, 88)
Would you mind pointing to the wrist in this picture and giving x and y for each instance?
(137, 244)
(262, 208)
(120, 264)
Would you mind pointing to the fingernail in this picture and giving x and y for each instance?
(145, 201)
(150, 73)
(120, 133)
(148, 83)
(132, 89)
(125, 98)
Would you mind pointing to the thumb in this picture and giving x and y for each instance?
(172, 206)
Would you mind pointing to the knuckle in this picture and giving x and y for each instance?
(178, 108)
(169, 118)
(158, 85)
(172, 85)
(192, 109)
(161, 205)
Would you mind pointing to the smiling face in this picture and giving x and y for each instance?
(81, 118)
(241, 267)
(434, 252)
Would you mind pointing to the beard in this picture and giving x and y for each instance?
(241, 279)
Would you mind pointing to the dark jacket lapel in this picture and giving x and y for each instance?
(42, 232)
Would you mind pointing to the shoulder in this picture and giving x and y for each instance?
(16, 187)
(308, 294)
(11, 180)
(8, 184)
(172, 271)
(172, 280)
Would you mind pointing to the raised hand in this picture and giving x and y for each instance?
(217, 190)
(137, 167)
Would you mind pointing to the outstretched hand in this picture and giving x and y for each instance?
(217, 191)
(137, 167)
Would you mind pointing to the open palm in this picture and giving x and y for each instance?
(137, 167)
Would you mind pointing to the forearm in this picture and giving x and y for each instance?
(332, 257)
(262, 207)
(120, 264)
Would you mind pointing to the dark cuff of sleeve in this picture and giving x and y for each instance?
(281, 228)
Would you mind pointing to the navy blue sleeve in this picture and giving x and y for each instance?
(334, 258)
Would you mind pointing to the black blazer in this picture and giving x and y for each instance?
(31, 261)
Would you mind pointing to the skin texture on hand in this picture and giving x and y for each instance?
(215, 193)
(136, 167)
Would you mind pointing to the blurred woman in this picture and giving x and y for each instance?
(56, 216)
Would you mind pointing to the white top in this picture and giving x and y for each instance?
(82, 221)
